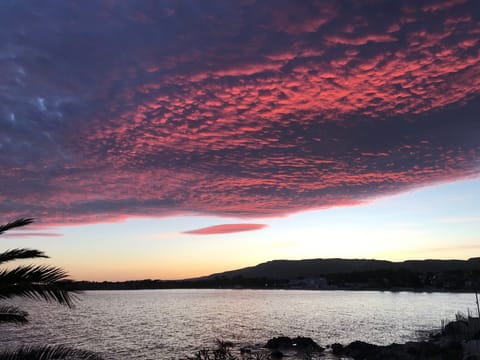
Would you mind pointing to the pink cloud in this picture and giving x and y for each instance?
(376, 38)
(225, 229)
(25, 234)
(305, 106)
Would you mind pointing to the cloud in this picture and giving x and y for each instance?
(225, 229)
(24, 234)
(245, 109)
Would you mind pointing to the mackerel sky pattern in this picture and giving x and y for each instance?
(248, 109)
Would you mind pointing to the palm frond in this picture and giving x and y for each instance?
(16, 254)
(16, 223)
(37, 282)
(32, 274)
(48, 353)
(50, 293)
(12, 314)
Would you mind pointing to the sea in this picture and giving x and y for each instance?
(175, 324)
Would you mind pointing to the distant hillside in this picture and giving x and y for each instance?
(337, 274)
(293, 269)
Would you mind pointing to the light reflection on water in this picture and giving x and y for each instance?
(173, 324)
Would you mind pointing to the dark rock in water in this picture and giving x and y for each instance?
(337, 349)
(361, 350)
(306, 343)
(279, 342)
(299, 343)
(276, 354)
(422, 350)
(451, 350)
(456, 328)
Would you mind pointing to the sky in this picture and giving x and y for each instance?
(172, 139)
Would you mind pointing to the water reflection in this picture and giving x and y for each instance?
(166, 324)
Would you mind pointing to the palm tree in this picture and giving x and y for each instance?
(39, 282)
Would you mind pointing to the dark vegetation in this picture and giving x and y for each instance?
(275, 348)
(427, 275)
(257, 283)
(37, 282)
(454, 280)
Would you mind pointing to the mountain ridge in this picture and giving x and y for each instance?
(292, 269)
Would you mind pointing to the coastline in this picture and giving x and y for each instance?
(116, 286)
(457, 340)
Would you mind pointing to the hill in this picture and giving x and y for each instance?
(352, 274)
(293, 269)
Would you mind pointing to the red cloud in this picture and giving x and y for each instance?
(303, 107)
(225, 229)
(377, 38)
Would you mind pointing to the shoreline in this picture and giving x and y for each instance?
(457, 340)
(396, 290)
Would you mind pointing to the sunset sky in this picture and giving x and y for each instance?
(172, 139)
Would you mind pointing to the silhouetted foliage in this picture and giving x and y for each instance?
(17, 254)
(16, 223)
(13, 314)
(35, 282)
(48, 352)
(223, 351)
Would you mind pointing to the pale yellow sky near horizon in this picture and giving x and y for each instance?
(440, 221)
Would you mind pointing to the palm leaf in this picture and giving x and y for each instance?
(48, 353)
(37, 282)
(15, 223)
(16, 254)
(32, 274)
(12, 314)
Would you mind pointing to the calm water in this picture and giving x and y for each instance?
(172, 324)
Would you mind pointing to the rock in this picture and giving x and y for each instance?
(337, 349)
(456, 328)
(393, 352)
(422, 350)
(361, 350)
(276, 354)
(299, 343)
(279, 342)
(306, 343)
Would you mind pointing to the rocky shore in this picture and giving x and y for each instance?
(458, 340)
